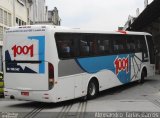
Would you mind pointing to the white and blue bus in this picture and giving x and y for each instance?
(53, 64)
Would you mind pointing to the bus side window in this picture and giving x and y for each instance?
(64, 48)
(84, 48)
(132, 45)
(131, 48)
(107, 46)
(117, 46)
(88, 45)
(121, 48)
(67, 45)
(101, 47)
(151, 49)
(138, 46)
(144, 47)
(128, 47)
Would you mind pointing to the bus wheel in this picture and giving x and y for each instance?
(143, 75)
(92, 89)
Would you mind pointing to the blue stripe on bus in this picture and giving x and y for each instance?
(96, 64)
(41, 50)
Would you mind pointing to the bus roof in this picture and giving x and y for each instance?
(76, 30)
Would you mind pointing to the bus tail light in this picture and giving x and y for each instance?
(50, 75)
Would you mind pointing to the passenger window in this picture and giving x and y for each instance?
(64, 47)
(88, 47)
(66, 44)
(118, 46)
(84, 48)
(131, 45)
(103, 46)
(151, 49)
(141, 46)
(144, 47)
(138, 45)
(93, 47)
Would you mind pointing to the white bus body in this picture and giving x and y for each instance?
(34, 70)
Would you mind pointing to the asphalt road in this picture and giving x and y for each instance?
(133, 97)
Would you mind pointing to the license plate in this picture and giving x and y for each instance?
(25, 93)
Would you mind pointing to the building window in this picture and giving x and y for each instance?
(5, 17)
(17, 21)
(9, 20)
(20, 22)
(1, 33)
(1, 16)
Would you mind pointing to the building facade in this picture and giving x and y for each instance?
(130, 20)
(37, 11)
(11, 14)
(53, 16)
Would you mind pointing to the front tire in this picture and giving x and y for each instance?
(93, 90)
(143, 75)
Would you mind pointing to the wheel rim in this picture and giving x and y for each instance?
(92, 89)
